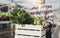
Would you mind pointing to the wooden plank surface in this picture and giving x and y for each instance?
(29, 31)
(16, 36)
(36, 27)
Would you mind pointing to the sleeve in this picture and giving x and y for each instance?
(50, 15)
(50, 18)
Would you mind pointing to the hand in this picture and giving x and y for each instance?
(46, 25)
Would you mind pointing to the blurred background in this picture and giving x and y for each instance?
(12, 5)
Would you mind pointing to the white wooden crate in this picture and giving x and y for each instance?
(29, 31)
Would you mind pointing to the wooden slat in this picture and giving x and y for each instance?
(27, 32)
(37, 27)
(28, 29)
(24, 36)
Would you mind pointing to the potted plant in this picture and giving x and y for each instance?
(24, 20)
(4, 16)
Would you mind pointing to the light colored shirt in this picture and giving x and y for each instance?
(44, 11)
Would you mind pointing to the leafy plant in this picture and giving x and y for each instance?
(4, 16)
(21, 16)
(39, 21)
(42, 19)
